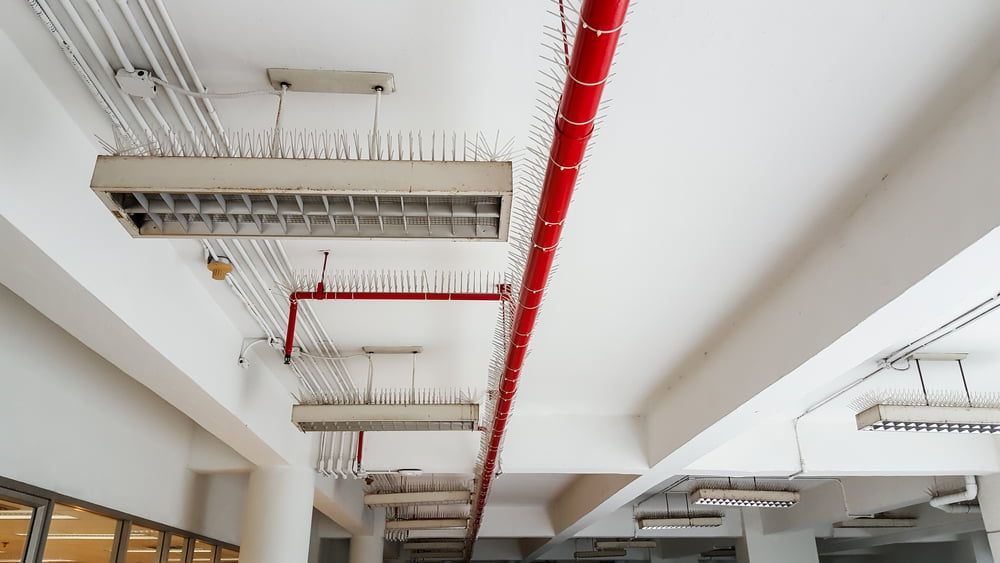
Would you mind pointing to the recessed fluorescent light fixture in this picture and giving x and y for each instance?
(681, 522)
(217, 197)
(600, 554)
(431, 534)
(77, 537)
(956, 420)
(418, 499)
(744, 498)
(625, 544)
(427, 524)
(433, 545)
(877, 523)
(27, 514)
(453, 554)
(377, 418)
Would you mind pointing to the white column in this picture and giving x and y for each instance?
(278, 515)
(980, 548)
(796, 546)
(368, 549)
(989, 502)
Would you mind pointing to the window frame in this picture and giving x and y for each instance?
(42, 502)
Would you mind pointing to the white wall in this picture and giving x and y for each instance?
(75, 424)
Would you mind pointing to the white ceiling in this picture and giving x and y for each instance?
(737, 134)
(527, 488)
(735, 131)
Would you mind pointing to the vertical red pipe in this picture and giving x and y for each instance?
(359, 455)
(293, 313)
(596, 38)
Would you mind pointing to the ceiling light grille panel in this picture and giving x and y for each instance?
(471, 217)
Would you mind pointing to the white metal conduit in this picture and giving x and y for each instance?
(951, 503)
(317, 379)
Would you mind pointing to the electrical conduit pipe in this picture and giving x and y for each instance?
(596, 38)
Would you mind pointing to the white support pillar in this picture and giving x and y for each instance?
(368, 548)
(989, 502)
(980, 548)
(798, 546)
(278, 515)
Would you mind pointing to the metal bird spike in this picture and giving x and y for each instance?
(313, 144)
(934, 398)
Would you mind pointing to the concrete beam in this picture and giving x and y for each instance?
(908, 258)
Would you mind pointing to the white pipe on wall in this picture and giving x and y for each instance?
(949, 503)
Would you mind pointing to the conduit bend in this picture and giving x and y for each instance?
(949, 503)
(589, 66)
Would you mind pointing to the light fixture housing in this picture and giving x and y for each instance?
(625, 544)
(432, 545)
(448, 554)
(877, 522)
(418, 498)
(427, 524)
(674, 523)
(752, 498)
(956, 420)
(385, 418)
(600, 554)
(439, 534)
(222, 197)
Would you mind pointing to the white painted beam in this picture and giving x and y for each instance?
(908, 258)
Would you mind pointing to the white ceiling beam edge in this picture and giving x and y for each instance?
(838, 308)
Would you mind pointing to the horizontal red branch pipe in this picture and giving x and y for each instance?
(596, 38)
(502, 293)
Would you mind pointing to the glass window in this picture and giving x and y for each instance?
(177, 546)
(229, 556)
(15, 522)
(143, 545)
(203, 552)
(79, 536)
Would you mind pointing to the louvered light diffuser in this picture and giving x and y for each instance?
(434, 555)
(418, 498)
(385, 418)
(434, 545)
(625, 544)
(600, 554)
(958, 420)
(201, 197)
(427, 524)
(455, 533)
(877, 523)
(680, 522)
(744, 498)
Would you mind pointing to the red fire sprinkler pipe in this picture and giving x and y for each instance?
(596, 38)
(502, 293)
